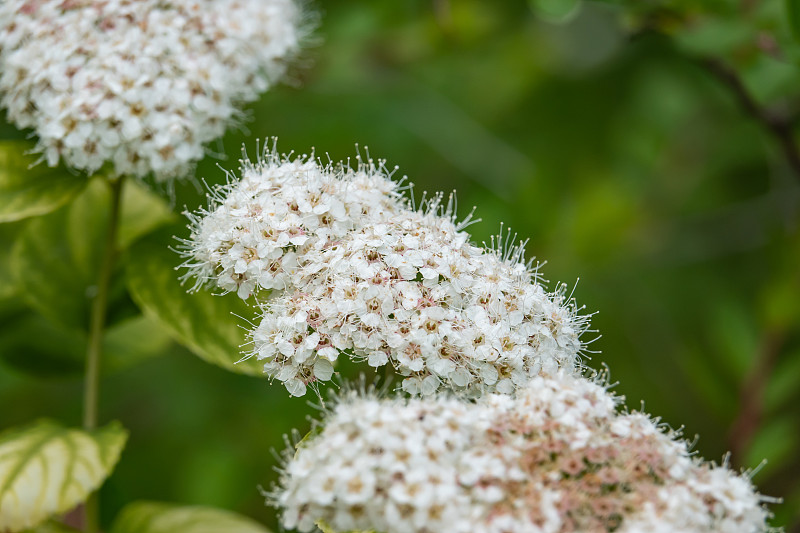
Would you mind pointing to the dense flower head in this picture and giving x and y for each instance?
(355, 270)
(556, 458)
(139, 84)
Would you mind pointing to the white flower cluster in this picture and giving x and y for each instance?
(556, 458)
(354, 270)
(140, 84)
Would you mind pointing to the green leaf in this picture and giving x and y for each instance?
(143, 211)
(556, 11)
(52, 280)
(28, 189)
(47, 469)
(35, 346)
(56, 258)
(151, 517)
(132, 341)
(8, 235)
(207, 324)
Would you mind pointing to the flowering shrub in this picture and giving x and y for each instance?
(143, 84)
(131, 88)
(497, 426)
(556, 458)
(354, 269)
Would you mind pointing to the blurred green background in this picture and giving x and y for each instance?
(606, 133)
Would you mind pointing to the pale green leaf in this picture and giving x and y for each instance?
(209, 325)
(28, 189)
(151, 517)
(47, 469)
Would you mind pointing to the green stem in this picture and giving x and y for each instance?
(97, 322)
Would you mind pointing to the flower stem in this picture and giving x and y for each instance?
(97, 321)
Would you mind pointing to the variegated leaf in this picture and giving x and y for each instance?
(46, 469)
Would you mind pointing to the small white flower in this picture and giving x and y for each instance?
(142, 84)
(343, 251)
(550, 460)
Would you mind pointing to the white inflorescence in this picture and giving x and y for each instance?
(556, 458)
(140, 84)
(354, 270)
